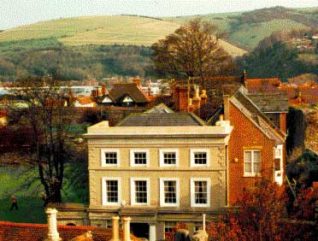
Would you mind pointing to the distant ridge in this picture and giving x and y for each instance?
(102, 30)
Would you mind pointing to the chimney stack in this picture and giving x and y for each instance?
(53, 234)
(203, 97)
(137, 81)
(196, 100)
(103, 89)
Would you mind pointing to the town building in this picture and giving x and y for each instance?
(257, 143)
(160, 168)
(256, 147)
(124, 94)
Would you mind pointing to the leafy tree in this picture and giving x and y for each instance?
(276, 60)
(303, 169)
(191, 51)
(261, 216)
(296, 122)
(48, 120)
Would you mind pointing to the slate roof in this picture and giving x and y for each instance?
(161, 108)
(38, 232)
(162, 119)
(275, 102)
(119, 91)
(247, 107)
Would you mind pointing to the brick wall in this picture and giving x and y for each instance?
(244, 136)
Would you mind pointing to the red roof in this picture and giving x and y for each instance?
(3, 113)
(262, 85)
(38, 232)
(85, 100)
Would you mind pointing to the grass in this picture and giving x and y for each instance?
(249, 35)
(30, 210)
(23, 182)
(97, 30)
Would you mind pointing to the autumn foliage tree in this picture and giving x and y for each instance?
(261, 216)
(193, 50)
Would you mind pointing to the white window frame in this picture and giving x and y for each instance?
(132, 158)
(193, 151)
(192, 192)
(133, 194)
(162, 194)
(252, 173)
(104, 191)
(161, 157)
(103, 158)
(278, 151)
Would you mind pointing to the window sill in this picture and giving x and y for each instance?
(200, 206)
(139, 165)
(111, 204)
(252, 175)
(198, 165)
(169, 205)
(110, 165)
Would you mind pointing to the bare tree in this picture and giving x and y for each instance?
(192, 50)
(44, 113)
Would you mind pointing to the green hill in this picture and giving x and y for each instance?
(104, 46)
(246, 29)
(101, 30)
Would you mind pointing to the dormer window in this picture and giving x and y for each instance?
(107, 100)
(128, 100)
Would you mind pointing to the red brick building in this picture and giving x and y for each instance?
(256, 147)
(257, 143)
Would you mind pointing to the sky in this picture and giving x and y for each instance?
(20, 12)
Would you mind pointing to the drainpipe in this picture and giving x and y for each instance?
(126, 224)
(115, 228)
(53, 234)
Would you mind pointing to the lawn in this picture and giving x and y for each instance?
(30, 210)
(23, 182)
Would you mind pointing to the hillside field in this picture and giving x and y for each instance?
(246, 29)
(101, 30)
(96, 47)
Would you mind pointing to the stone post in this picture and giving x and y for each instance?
(203, 221)
(126, 228)
(115, 228)
(152, 232)
(53, 234)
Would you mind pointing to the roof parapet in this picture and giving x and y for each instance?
(99, 125)
(225, 124)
